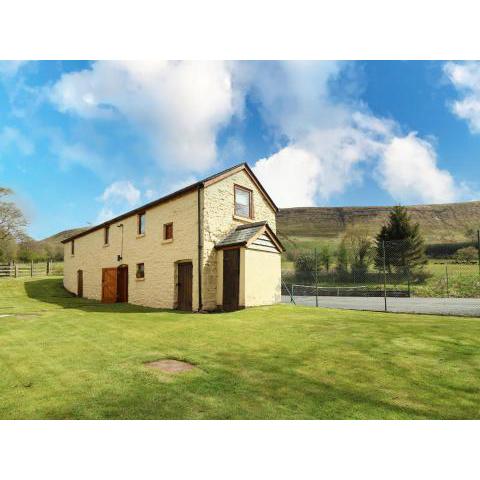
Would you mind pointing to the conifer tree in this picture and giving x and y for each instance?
(404, 245)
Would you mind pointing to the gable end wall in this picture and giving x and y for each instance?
(218, 221)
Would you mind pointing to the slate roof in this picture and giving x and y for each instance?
(184, 190)
(243, 233)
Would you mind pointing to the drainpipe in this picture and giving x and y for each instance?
(200, 247)
(120, 257)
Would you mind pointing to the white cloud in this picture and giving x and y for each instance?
(408, 170)
(323, 145)
(332, 145)
(118, 197)
(76, 153)
(9, 68)
(319, 165)
(151, 194)
(466, 79)
(105, 214)
(10, 136)
(121, 191)
(290, 176)
(179, 106)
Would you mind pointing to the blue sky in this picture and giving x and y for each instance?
(83, 141)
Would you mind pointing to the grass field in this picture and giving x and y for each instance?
(63, 357)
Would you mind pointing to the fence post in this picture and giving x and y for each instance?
(16, 270)
(446, 278)
(478, 250)
(384, 276)
(316, 279)
(289, 292)
(31, 268)
(48, 267)
(408, 282)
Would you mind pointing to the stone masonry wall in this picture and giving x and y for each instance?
(158, 288)
(219, 220)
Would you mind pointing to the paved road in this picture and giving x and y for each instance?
(446, 306)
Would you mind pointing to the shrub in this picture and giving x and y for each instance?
(466, 255)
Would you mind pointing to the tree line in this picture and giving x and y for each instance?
(399, 248)
(15, 244)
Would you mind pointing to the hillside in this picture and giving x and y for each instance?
(58, 237)
(309, 226)
(439, 223)
(53, 244)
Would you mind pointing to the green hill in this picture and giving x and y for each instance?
(52, 246)
(306, 227)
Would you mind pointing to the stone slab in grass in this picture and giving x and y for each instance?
(169, 365)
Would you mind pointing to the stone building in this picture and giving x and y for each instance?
(209, 246)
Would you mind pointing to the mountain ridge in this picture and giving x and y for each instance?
(439, 223)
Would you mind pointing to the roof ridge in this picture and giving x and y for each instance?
(153, 203)
(252, 225)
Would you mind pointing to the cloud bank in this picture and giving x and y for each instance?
(178, 106)
(323, 144)
(332, 145)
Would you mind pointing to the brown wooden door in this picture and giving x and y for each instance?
(80, 283)
(185, 271)
(122, 283)
(109, 285)
(231, 279)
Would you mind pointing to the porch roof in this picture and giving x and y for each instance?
(243, 235)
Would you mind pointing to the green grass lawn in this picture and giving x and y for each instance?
(63, 357)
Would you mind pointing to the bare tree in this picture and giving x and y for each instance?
(12, 220)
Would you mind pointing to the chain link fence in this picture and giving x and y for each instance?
(389, 276)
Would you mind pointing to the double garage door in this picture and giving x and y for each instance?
(115, 284)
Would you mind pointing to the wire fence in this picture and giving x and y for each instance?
(386, 272)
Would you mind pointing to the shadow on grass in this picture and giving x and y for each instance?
(51, 290)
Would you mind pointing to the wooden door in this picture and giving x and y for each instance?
(109, 285)
(231, 279)
(80, 283)
(185, 271)
(122, 283)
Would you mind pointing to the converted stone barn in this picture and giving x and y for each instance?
(209, 246)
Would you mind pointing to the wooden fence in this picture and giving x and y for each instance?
(32, 269)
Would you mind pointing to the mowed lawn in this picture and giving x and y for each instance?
(65, 358)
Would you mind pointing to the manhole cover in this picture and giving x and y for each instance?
(171, 366)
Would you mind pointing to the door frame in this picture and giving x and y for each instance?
(234, 305)
(122, 297)
(178, 285)
(80, 283)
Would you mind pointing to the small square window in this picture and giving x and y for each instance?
(168, 231)
(243, 202)
(140, 270)
(106, 235)
(141, 223)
